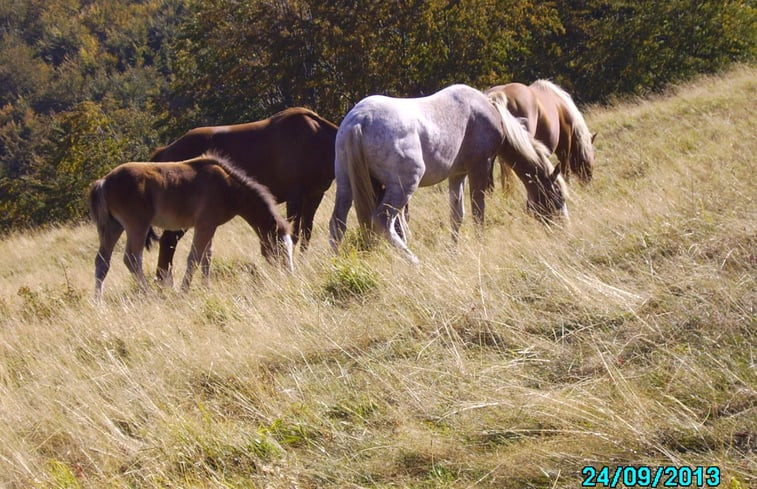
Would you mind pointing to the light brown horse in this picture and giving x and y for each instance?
(549, 114)
(203, 193)
(291, 153)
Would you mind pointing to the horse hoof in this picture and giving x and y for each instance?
(413, 259)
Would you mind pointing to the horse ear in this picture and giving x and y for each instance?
(555, 174)
(593, 137)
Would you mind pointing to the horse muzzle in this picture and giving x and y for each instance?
(549, 215)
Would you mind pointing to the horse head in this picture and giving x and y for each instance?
(581, 158)
(546, 196)
(278, 247)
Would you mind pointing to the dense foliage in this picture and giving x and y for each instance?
(88, 84)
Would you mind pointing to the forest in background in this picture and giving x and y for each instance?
(88, 84)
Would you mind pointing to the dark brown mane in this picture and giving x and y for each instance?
(240, 176)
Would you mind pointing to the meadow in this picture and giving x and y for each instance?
(511, 361)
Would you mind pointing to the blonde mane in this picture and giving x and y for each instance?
(580, 129)
(536, 152)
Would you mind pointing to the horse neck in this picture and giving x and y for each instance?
(580, 150)
(528, 165)
(254, 209)
(526, 173)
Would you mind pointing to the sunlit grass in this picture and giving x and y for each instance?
(512, 360)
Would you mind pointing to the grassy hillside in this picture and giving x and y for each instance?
(512, 361)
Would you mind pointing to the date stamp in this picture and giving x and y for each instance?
(649, 476)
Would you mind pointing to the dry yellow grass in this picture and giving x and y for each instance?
(513, 361)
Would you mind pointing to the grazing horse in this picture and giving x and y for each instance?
(551, 117)
(135, 196)
(388, 147)
(291, 153)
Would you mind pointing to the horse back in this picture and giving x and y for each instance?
(156, 193)
(449, 132)
(521, 103)
(555, 117)
(290, 150)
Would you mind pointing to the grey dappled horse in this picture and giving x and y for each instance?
(388, 147)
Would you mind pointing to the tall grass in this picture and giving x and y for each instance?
(512, 361)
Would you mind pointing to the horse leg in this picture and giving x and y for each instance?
(201, 243)
(168, 242)
(505, 176)
(402, 225)
(205, 263)
(385, 217)
(304, 223)
(294, 215)
(108, 236)
(563, 157)
(135, 244)
(342, 204)
(309, 206)
(478, 184)
(456, 204)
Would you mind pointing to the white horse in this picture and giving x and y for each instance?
(388, 147)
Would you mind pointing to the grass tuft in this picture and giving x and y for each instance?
(349, 278)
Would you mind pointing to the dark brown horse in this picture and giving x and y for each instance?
(135, 196)
(291, 153)
(550, 116)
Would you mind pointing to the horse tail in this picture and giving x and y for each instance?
(363, 193)
(534, 152)
(98, 205)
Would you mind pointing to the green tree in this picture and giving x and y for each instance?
(110, 79)
(23, 134)
(80, 79)
(244, 60)
(21, 72)
(612, 47)
(88, 145)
